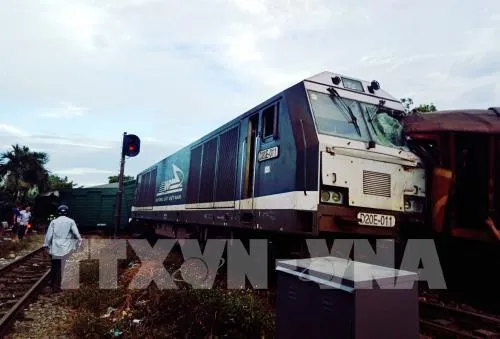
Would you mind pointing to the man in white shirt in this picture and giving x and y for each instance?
(61, 239)
(23, 219)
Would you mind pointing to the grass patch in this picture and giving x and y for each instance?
(93, 299)
(89, 296)
(87, 325)
(29, 242)
(190, 313)
(180, 313)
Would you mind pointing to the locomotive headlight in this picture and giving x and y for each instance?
(336, 197)
(413, 203)
(325, 196)
(333, 196)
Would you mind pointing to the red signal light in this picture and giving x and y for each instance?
(131, 145)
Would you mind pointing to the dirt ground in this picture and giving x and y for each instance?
(93, 312)
(12, 249)
(48, 316)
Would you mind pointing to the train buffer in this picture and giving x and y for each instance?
(330, 297)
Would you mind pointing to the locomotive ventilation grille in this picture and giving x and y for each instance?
(376, 183)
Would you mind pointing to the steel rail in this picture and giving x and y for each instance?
(8, 318)
(462, 323)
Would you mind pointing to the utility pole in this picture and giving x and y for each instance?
(119, 194)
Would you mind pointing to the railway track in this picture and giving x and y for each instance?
(448, 322)
(19, 283)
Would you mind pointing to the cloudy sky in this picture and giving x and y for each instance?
(74, 75)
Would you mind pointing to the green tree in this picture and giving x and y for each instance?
(56, 183)
(408, 106)
(114, 178)
(22, 170)
(427, 108)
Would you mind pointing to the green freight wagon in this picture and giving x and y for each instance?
(94, 207)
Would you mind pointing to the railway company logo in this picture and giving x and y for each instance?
(174, 184)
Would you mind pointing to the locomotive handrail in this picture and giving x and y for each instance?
(257, 147)
(305, 155)
(241, 172)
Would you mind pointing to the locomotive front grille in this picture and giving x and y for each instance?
(376, 183)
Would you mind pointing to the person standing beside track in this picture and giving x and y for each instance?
(23, 219)
(60, 240)
(16, 213)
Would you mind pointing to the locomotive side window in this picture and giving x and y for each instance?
(270, 122)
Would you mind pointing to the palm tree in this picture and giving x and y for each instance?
(22, 170)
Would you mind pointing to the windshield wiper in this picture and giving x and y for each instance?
(346, 108)
(371, 143)
(370, 118)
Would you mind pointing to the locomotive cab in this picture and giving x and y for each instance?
(370, 182)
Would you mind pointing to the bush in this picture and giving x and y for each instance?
(88, 325)
(93, 299)
(17, 246)
(89, 296)
(201, 313)
(185, 312)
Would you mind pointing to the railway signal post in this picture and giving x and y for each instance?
(131, 146)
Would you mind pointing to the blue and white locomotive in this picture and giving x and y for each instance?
(326, 155)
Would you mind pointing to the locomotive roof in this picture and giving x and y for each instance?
(466, 120)
(325, 78)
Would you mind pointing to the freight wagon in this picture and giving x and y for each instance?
(94, 207)
(325, 156)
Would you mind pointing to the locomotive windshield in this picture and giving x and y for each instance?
(364, 122)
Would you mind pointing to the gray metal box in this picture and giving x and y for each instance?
(331, 297)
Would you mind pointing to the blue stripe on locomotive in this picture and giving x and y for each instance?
(285, 173)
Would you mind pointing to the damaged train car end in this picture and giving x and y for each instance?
(461, 150)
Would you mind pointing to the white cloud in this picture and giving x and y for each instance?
(85, 25)
(68, 142)
(11, 130)
(81, 171)
(87, 160)
(53, 140)
(65, 110)
(242, 43)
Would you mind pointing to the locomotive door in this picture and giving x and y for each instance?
(247, 202)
